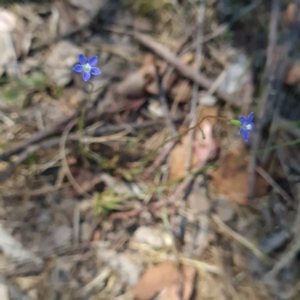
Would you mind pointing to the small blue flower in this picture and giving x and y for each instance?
(246, 126)
(87, 66)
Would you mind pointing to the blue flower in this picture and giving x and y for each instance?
(246, 126)
(87, 67)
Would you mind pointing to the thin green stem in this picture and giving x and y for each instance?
(289, 143)
(81, 118)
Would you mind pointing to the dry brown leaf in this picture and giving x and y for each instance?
(208, 112)
(134, 85)
(230, 179)
(154, 281)
(293, 74)
(187, 58)
(152, 88)
(182, 288)
(167, 281)
(203, 149)
(181, 91)
(289, 13)
(142, 24)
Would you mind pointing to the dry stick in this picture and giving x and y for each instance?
(173, 60)
(65, 165)
(56, 127)
(274, 184)
(166, 110)
(29, 149)
(166, 72)
(38, 137)
(263, 100)
(292, 252)
(243, 241)
(159, 159)
(224, 27)
(170, 201)
(54, 142)
(193, 115)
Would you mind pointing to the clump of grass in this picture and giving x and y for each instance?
(147, 8)
(106, 202)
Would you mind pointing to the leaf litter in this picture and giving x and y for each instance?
(96, 198)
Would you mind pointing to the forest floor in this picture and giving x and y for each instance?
(136, 184)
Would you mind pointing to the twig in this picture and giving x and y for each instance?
(250, 246)
(273, 183)
(159, 159)
(263, 100)
(293, 250)
(65, 164)
(224, 27)
(166, 110)
(36, 137)
(58, 127)
(173, 60)
(76, 225)
(169, 201)
(54, 142)
(195, 94)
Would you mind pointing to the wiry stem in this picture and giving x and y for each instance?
(81, 118)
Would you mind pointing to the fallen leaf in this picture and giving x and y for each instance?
(152, 88)
(187, 58)
(134, 85)
(203, 148)
(181, 91)
(289, 13)
(293, 73)
(167, 281)
(182, 288)
(230, 179)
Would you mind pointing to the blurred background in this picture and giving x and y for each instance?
(135, 185)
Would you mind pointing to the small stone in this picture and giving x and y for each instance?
(208, 100)
(121, 264)
(150, 236)
(58, 64)
(3, 292)
(62, 235)
(225, 210)
(86, 232)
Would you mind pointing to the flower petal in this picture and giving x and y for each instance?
(77, 68)
(246, 135)
(95, 71)
(93, 60)
(241, 131)
(250, 117)
(251, 126)
(242, 119)
(82, 59)
(86, 76)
